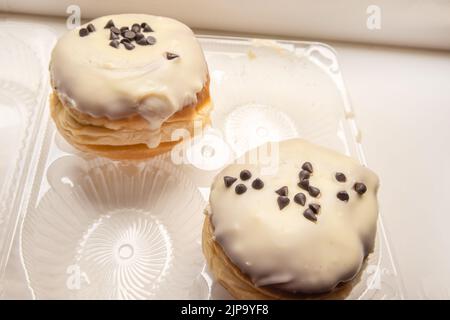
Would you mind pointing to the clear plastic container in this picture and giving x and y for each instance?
(75, 226)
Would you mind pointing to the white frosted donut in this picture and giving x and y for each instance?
(155, 79)
(273, 241)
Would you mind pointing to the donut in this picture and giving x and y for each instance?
(122, 84)
(301, 230)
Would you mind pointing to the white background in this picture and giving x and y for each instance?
(419, 23)
(402, 103)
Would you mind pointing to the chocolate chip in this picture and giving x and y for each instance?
(300, 198)
(83, 32)
(229, 181)
(313, 191)
(282, 202)
(304, 184)
(240, 188)
(304, 175)
(109, 24)
(309, 214)
(314, 207)
(308, 167)
(113, 36)
(151, 41)
(129, 35)
(146, 28)
(139, 36)
(124, 29)
(340, 177)
(136, 28)
(360, 188)
(171, 56)
(114, 44)
(90, 27)
(128, 45)
(142, 42)
(342, 195)
(245, 175)
(283, 191)
(123, 40)
(257, 184)
(115, 30)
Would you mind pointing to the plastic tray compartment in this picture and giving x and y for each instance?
(73, 226)
(23, 94)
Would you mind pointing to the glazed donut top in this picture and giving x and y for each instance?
(101, 70)
(302, 229)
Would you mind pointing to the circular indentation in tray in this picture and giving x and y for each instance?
(116, 231)
(130, 247)
(251, 125)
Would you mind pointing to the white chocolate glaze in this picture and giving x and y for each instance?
(95, 78)
(283, 250)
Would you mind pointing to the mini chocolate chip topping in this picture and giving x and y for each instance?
(113, 36)
(340, 177)
(245, 175)
(139, 36)
(343, 196)
(304, 184)
(126, 35)
(257, 184)
(300, 198)
(304, 175)
(315, 207)
(229, 181)
(115, 30)
(145, 27)
(309, 214)
(114, 44)
(171, 56)
(313, 191)
(142, 41)
(240, 188)
(282, 202)
(83, 32)
(308, 167)
(129, 35)
(151, 40)
(283, 191)
(136, 28)
(109, 24)
(90, 27)
(360, 188)
(128, 45)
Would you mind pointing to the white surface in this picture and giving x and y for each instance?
(418, 23)
(402, 102)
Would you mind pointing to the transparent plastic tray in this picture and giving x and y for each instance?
(75, 226)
